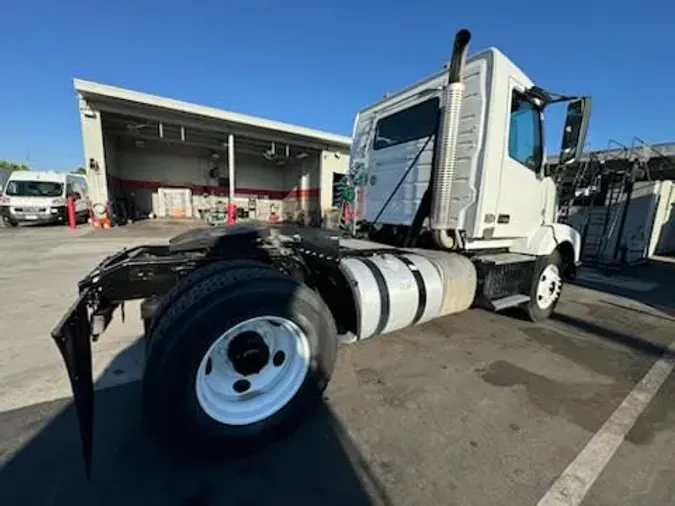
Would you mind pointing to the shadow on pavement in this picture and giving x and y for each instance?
(634, 342)
(33, 225)
(316, 465)
(146, 229)
(650, 283)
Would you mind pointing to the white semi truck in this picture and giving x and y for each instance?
(242, 324)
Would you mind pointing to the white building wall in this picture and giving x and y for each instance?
(302, 186)
(111, 162)
(142, 171)
(332, 162)
(293, 190)
(646, 230)
(92, 142)
(174, 168)
(663, 235)
(639, 225)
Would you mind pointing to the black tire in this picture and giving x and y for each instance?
(532, 308)
(190, 324)
(11, 223)
(187, 282)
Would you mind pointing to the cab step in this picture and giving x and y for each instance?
(509, 301)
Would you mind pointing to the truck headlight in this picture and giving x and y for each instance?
(59, 202)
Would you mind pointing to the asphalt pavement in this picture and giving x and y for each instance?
(472, 409)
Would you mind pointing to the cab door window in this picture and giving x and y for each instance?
(525, 132)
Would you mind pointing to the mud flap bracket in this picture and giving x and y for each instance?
(73, 338)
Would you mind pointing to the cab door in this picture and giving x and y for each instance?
(519, 205)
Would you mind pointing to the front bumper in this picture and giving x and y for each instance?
(38, 215)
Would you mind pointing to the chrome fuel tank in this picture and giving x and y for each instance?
(399, 289)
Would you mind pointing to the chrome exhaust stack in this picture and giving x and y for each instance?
(441, 187)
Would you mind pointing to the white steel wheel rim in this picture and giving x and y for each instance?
(221, 396)
(549, 286)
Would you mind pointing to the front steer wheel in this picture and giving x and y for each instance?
(546, 287)
(236, 359)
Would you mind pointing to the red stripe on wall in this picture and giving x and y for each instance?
(135, 184)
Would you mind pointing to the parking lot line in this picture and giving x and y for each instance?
(574, 483)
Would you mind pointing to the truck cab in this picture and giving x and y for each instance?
(497, 192)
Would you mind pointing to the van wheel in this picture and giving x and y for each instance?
(236, 360)
(546, 287)
(10, 222)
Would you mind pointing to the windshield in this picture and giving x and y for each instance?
(33, 189)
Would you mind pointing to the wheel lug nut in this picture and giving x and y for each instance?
(278, 358)
(240, 386)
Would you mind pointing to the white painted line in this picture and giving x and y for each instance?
(574, 483)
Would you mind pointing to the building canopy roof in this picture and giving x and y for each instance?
(108, 97)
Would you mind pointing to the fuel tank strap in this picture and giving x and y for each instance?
(421, 289)
(384, 295)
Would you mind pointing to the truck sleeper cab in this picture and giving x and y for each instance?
(41, 197)
(242, 324)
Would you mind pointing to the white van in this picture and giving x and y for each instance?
(4, 176)
(30, 196)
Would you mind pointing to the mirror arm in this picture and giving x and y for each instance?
(547, 97)
(563, 98)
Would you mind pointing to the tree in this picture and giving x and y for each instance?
(79, 170)
(11, 166)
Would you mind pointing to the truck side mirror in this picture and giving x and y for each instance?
(574, 132)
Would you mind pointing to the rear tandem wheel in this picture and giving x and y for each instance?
(236, 358)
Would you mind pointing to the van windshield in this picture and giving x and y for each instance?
(33, 189)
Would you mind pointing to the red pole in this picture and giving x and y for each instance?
(71, 213)
(231, 213)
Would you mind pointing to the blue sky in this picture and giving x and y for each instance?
(315, 63)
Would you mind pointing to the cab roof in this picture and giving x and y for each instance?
(32, 175)
(491, 53)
